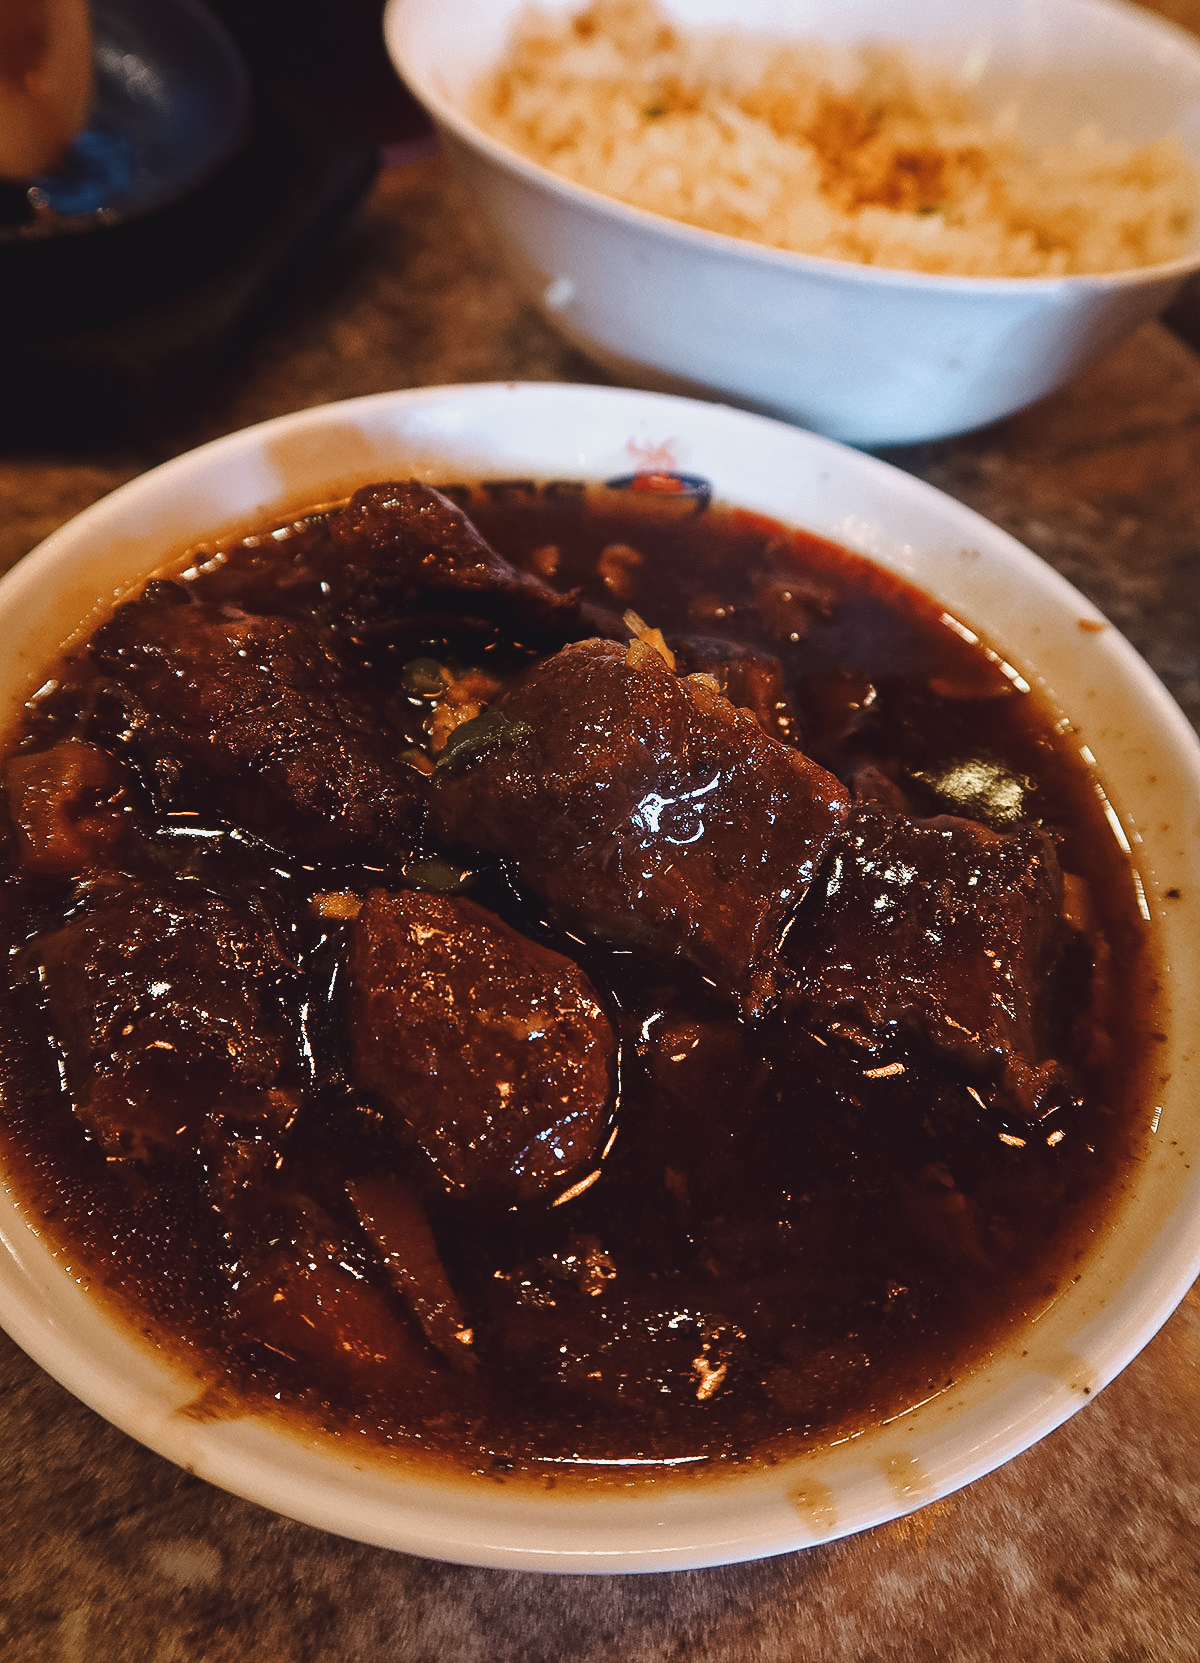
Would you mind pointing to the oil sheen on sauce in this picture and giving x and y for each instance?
(797, 1228)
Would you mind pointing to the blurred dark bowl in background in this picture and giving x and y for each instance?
(227, 144)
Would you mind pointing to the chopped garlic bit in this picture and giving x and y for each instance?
(464, 698)
(710, 1378)
(337, 904)
(646, 640)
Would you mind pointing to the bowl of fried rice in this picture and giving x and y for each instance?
(889, 225)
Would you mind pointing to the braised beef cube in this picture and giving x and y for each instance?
(872, 784)
(945, 928)
(576, 1320)
(297, 1292)
(493, 1051)
(749, 680)
(403, 546)
(392, 1216)
(161, 998)
(242, 1146)
(836, 705)
(700, 1074)
(71, 805)
(947, 1221)
(262, 706)
(646, 810)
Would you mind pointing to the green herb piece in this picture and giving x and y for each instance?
(423, 677)
(480, 734)
(440, 877)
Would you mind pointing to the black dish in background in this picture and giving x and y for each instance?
(190, 290)
(171, 101)
(111, 329)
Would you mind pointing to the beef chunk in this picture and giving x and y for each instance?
(647, 810)
(71, 805)
(610, 1337)
(871, 784)
(492, 1050)
(392, 1216)
(242, 1147)
(160, 995)
(748, 679)
(403, 547)
(945, 928)
(296, 1291)
(262, 706)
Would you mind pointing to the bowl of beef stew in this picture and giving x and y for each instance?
(595, 982)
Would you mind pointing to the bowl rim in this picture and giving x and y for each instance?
(820, 1497)
(451, 118)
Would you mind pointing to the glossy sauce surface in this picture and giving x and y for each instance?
(805, 1216)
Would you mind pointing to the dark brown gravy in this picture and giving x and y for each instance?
(784, 1244)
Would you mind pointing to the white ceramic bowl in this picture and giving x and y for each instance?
(869, 356)
(1149, 761)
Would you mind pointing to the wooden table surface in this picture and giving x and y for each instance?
(1087, 1548)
